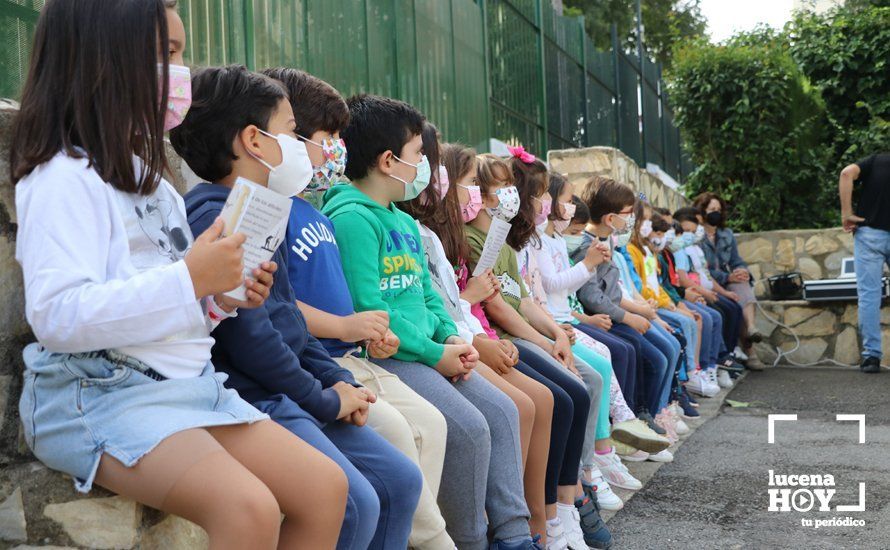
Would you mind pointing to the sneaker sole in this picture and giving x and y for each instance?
(630, 458)
(646, 444)
(651, 459)
(624, 486)
(611, 507)
(700, 393)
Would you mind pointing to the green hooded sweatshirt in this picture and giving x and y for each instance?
(386, 270)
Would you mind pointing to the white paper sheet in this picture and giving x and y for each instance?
(261, 214)
(494, 241)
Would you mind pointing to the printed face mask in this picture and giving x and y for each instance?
(646, 229)
(508, 204)
(470, 210)
(669, 236)
(546, 205)
(699, 234)
(622, 239)
(629, 222)
(657, 243)
(292, 176)
(331, 170)
(421, 178)
(568, 212)
(573, 242)
(179, 96)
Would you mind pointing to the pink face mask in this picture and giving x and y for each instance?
(546, 205)
(179, 97)
(470, 210)
(568, 212)
(441, 185)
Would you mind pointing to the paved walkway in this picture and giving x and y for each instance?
(715, 493)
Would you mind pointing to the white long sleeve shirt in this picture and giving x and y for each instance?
(104, 269)
(442, 276)
(559, 277)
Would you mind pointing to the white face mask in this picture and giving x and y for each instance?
(646, 229)
(294, 173)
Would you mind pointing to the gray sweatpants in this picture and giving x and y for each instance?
(483, 458)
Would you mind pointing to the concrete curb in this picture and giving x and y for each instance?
(644, 471)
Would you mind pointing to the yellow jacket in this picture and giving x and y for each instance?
(639, 257)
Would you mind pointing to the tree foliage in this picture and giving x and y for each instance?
(665, 23)
(754, 128)
(846, 54)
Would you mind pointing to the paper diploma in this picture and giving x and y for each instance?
(261, 214)
(494, 241)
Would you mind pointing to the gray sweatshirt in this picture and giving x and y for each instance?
(601, 294)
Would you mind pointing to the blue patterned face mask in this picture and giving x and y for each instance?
(682, 241)
(573, 242)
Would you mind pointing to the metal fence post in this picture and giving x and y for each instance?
(586, 90)
(489, 123)
(249, 44)
(616, 69)
(542, 60)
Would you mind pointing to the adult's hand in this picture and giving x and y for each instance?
(851, 222)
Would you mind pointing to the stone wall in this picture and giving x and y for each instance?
(39, 507)
(828, 330)
(578, 165)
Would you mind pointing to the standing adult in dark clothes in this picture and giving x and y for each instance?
(871, 227)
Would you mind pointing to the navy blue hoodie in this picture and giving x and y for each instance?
(268, 351)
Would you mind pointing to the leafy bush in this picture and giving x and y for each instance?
(755, 129)
(846, 54)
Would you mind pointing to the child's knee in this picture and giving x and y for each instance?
(431, 429)
(362, 509)
(255, 510)
(526, 408)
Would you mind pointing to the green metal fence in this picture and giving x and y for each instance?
(514, 70)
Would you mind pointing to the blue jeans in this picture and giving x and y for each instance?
(624, 359)
(871, 249)
(653, 372)
(660, 387)
(689, 329)
(384, 485)
(712, 334)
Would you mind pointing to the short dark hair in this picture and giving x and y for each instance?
(659, 224)
(686, 214)
(582, 213)
(606, 196)
(225, 100)
(73, 100)
(661, 210)
(377, 125)
(317, 105)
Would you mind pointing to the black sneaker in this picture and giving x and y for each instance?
(647, 418)
(596, 534)
(870, 365)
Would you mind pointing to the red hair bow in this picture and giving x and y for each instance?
(521, 154)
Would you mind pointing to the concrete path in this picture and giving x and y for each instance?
(715, 494)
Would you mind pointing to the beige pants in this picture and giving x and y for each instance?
(416, 428)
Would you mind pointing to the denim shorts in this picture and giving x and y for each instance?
(77, 407)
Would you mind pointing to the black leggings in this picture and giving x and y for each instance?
(571, 405)
(731, 312)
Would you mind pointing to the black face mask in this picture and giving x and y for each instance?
(714, 218)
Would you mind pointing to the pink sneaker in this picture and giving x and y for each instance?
(664, 420)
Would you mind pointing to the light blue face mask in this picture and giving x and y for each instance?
(573, 242)
(420, 181)
(682, 241)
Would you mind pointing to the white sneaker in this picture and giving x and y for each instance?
(615, 472)
(638, 456)
(699, 384)
(723, 379)
(663, 456)
(740, 355)
(556, 535)
(681, 427)
(605, 496)
(571, 524)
